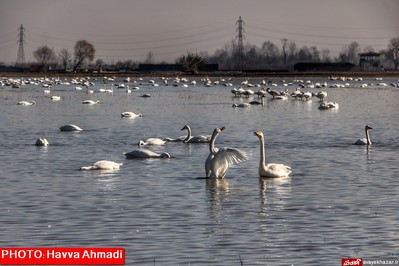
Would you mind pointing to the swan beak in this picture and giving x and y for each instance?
(222, 128)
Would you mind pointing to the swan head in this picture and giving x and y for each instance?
(165, 155)
(139, 115)
(185, 127)
(219, 129)
(259, 134)
(368, 127)
(141, 143)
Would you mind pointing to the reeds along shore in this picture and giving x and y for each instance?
(207, 74)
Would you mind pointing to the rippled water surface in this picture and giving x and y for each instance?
(340, 201)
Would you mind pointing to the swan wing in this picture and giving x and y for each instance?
(142, 153)
(232, 155)
(107, 165)
(200, 139)
(362, 141)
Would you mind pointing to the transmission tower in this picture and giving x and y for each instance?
(21, 53)
(240, 38)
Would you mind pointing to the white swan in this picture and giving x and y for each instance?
(55, 98)
(152, 141)
(131, 114)
(321, 95)
(70, 127)
(103, 165)
(26, 103)
(224, 157)
(270, 169)
(90, 102)
(145, 154)
(212, 151)
(328, 105)
(196, 139)
(41, 142)
(366, 140)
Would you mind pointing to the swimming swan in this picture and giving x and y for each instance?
(196, 139)
(26, 103)
(41, 142)
(224, 157)
(130, 115)
(365, 141)
(270, 169)
(152, 141)
(90, 102)
(70, 127)
(103, 165)
(328, 105)
(145, 154)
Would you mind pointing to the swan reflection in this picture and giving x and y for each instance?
(217, 192)
(273, 193)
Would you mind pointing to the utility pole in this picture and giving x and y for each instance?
(21, 53)
(240, 37)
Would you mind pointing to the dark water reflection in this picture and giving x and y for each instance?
(340, 201)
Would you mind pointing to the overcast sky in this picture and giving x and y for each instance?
(129, 29)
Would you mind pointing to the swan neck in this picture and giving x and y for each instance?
(368, 137)
(212, 148)
(262, 151)
(188, 134)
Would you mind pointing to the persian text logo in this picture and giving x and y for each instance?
(352, 262)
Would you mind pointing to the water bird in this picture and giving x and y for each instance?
(366, 140)
(321, 95)
(90, 102)
(223, 157)
(195, 139)
(55, 98)
(145, 154)
(328, 105)
(130, 114)
(26, 103)
(152, 141)
(241, 105)
(70, 127)
(103, 165)
(41, 142)
(270, 169)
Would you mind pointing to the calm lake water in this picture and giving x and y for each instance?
(341, 200)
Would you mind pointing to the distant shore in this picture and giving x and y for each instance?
(207, 74)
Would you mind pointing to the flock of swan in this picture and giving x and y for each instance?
(219, 160)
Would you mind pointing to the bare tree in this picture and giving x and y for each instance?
(149, 58)
(84, 51)
(350, 53)
(65, 58)
(325, 55)
(392, 52)
(270, 52)
(44, 55)
(190, 62)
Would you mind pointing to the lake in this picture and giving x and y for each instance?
(340, 200)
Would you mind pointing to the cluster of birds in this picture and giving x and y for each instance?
(219, 159)
(217, 162)
(298, 94)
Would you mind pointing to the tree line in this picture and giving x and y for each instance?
(268, 56)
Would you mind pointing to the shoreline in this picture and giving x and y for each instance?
(204, 74)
